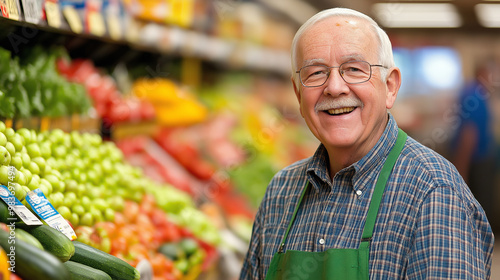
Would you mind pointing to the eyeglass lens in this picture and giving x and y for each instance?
(352, 73)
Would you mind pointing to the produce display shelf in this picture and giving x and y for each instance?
(161, 39)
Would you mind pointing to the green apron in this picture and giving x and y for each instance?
(345, 264)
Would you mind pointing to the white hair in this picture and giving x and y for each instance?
(385, 48)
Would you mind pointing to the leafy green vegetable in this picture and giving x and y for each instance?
(32, 86)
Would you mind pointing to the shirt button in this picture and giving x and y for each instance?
(322, 241)
(358, 192)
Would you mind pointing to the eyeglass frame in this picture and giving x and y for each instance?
(341, 75)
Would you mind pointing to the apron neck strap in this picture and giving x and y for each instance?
(380, 185)
(377, 192)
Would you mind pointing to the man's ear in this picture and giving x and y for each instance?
(393, 83)
(298, 94)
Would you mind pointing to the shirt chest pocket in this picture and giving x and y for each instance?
(271, 239)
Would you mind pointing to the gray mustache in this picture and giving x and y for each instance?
(336, 103)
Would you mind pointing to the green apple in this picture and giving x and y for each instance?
(97, 215)
(64, 211)
(2, 126)
(40, 162)
(46, 150)
(5, 157)
(75, 174)
(26, 160)
(71, 185)
(33, 150)
(109, 215)
(48, 186)
(82, 189)
(4, 175)
(20, 192)
(92, 177)
(9, 132)
(54, 181)
(58, 197)
(100, 204)
(56, 136)
(70, 198)
(116, 203)
(78, 209)
(87, 219)
(17, 161)
(33, 167)
(34, 183)
(21, 179)
(26, 134)
(56, 173)
(43, 188)
(50, 161)
(48, 169)
(86, 203)
(18, 142)
(3, 139)
(76, 139)
(59, 152)
(10, 147)
(74, 219)
(27, 174)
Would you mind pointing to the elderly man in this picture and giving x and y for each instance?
(371, 203)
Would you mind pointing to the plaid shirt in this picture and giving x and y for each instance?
(429, 225)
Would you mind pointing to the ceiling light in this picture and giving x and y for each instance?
(417, 15)
(487, 14)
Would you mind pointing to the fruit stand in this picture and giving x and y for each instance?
(110, 171)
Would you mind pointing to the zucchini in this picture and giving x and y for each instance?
(53, 241)
(80, 271)
(28, 238)
(31, 262)
(5, 214)
(115, 267)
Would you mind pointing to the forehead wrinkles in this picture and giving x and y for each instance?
(339, 37)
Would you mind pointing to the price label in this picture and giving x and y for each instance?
(3, 7)
(32, 11)
(53, 14)
(44, 209)
(96, 24)
(73, 19)
(132, 33)
(13, 9)
(17, 208)
(114, 27)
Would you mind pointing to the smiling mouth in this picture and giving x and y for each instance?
(340, 111)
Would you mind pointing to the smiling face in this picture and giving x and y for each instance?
(347, 118)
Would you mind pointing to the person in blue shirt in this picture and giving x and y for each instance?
(372, 202)
(473, 146)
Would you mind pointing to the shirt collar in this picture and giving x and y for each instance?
(364, 169)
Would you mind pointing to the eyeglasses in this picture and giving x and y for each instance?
(352, 72)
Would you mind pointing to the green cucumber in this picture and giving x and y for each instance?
(53, 241)
(115, 267)
(80, 271)
(5, 214)
(31, 262)
(28, 238)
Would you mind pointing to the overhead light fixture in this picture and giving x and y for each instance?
(417, 15)
(487, 15)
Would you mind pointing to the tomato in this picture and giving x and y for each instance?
(120, 219)
(119, 245)
(131, 211)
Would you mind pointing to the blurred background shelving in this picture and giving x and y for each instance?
(197, 93)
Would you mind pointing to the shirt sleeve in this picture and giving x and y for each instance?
(251, 264)
(453, 239)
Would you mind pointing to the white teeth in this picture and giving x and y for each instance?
(340, 110)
